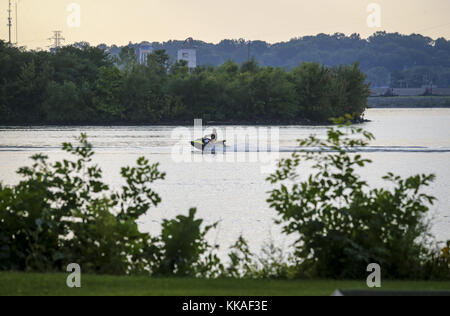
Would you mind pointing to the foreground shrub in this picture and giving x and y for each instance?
(342, 224)
(62, 212)
(182, 250)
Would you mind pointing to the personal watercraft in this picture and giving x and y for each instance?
(205, 143)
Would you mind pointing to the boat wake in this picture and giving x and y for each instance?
(369, 149)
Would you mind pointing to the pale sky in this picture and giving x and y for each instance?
(118, 21)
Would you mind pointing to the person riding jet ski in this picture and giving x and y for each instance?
(208, 139)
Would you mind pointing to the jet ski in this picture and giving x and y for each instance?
(205, 143)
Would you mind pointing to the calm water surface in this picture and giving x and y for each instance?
(409, 141)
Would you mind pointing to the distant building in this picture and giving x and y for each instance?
(189, 55)
(143, 51)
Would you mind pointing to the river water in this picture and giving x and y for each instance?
(230, 187)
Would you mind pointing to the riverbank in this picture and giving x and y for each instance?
(268, 122)
(15, 283)
(409, 102)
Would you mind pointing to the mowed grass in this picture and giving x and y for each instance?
(12, 283)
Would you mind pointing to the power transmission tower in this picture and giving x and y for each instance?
(57, 39)
(9, 21)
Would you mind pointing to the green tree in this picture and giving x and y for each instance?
(182, 249)
(158, 62)
(250, 66)
(107, 93)
(312, 86)
(128, 59)
(342, 224)
(64, 104)
(350, 91)
(63, 212)
(274, 95)
(142, 96)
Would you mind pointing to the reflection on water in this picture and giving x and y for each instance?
(408, 141)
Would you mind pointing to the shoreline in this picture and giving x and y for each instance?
(181, 123)
(374, 103)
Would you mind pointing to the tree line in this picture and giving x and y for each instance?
(81, 84)
(381, 55)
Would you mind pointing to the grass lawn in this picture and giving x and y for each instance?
(12, 283)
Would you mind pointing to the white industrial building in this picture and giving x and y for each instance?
(189, 55)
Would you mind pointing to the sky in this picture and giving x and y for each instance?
(119, 22)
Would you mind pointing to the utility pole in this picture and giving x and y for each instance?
(249, 50)
(9, 21)
(57, 39)
(17, 27)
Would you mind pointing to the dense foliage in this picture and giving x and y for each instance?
(63, 212)
(342, 224)
(182, 249)
(84, 85)
(380, 55)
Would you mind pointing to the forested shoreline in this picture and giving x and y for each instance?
(77, 85)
